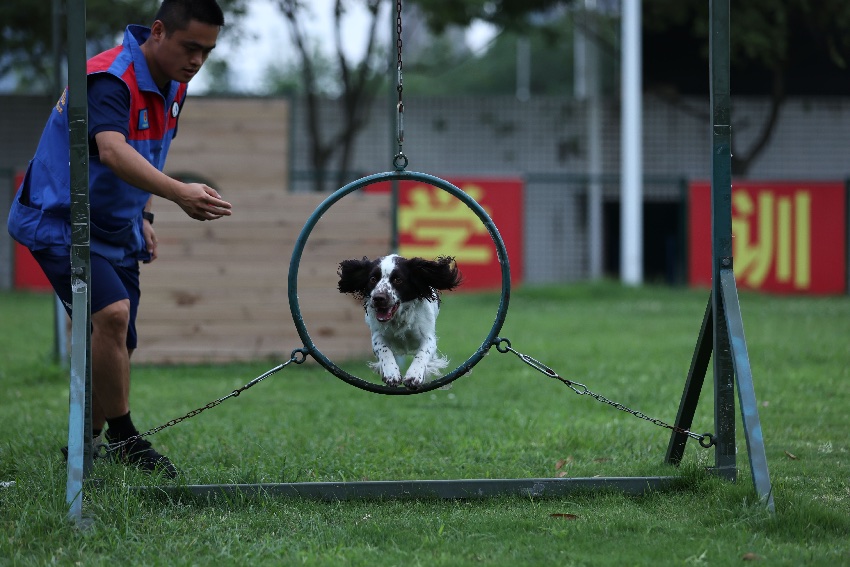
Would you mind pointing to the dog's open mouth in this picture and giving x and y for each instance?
(384, 314)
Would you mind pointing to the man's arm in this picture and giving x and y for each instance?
(199, 201)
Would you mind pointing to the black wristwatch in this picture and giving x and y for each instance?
(148, 216)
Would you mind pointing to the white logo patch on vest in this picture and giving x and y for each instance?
(175, 109)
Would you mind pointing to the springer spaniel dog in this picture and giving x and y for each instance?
(402, 299)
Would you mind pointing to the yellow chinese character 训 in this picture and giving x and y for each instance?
(772, 232)
(753, 256)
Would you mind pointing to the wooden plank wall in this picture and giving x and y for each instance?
(218, 291)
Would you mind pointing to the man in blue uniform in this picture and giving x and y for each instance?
(135, 94)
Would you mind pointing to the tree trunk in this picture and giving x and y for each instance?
(742, 161)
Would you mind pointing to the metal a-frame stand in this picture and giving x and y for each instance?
(722, 332)
(722, 329)
(79, 415)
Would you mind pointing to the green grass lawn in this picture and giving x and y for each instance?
(505, 420)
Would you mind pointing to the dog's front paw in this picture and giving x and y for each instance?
(386, 367)
(391, 380)
(414, 381)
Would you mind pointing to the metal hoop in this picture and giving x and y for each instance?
(295, 309)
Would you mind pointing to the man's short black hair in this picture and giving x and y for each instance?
(176, 14)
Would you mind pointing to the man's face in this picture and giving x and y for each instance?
(179, 54)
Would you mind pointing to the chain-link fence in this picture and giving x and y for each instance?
(567, 150)
(564, 151)
(544, 142)
(564, 243)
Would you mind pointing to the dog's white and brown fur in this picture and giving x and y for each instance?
(402, 299)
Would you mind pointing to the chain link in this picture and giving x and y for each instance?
(400, 160)
(298, 356)
(504, 345)
(398, 34)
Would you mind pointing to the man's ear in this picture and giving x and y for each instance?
(158, 30)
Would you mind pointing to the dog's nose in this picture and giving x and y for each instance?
(380, 299)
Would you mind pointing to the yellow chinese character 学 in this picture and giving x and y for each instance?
(441, 225)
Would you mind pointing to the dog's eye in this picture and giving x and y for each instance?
(396, 280)
(373, 280)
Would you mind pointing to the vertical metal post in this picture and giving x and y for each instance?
(523, 68)
(79, 418)
(392, 94)
(588, 90)
(60, 335)
(721, 234)
(631, 153)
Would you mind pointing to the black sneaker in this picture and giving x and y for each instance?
(141, 454)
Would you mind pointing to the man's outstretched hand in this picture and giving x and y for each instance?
(202, 202)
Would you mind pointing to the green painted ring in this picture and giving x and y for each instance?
(295, 309)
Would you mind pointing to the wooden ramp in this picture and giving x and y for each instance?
(218, 291)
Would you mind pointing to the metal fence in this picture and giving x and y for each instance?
(561, 243)
(549, 143)
(544, 142)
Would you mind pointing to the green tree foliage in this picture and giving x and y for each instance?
(768, 39)
(26, 33)
(763, 32)
(219, 76)
(285, 77)
(442, 69)
(358, 82)
(507, 14)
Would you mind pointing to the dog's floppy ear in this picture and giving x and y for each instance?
(436, 275)
(354, 276)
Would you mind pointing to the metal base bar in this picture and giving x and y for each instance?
(424, 489)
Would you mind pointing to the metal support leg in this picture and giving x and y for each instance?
(693, 387)
(746, 390)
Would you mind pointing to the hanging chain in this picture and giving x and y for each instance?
(400, 160)
(298, 356)
(504, 345)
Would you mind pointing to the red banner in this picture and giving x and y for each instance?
(433, 222)
(787, 237)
